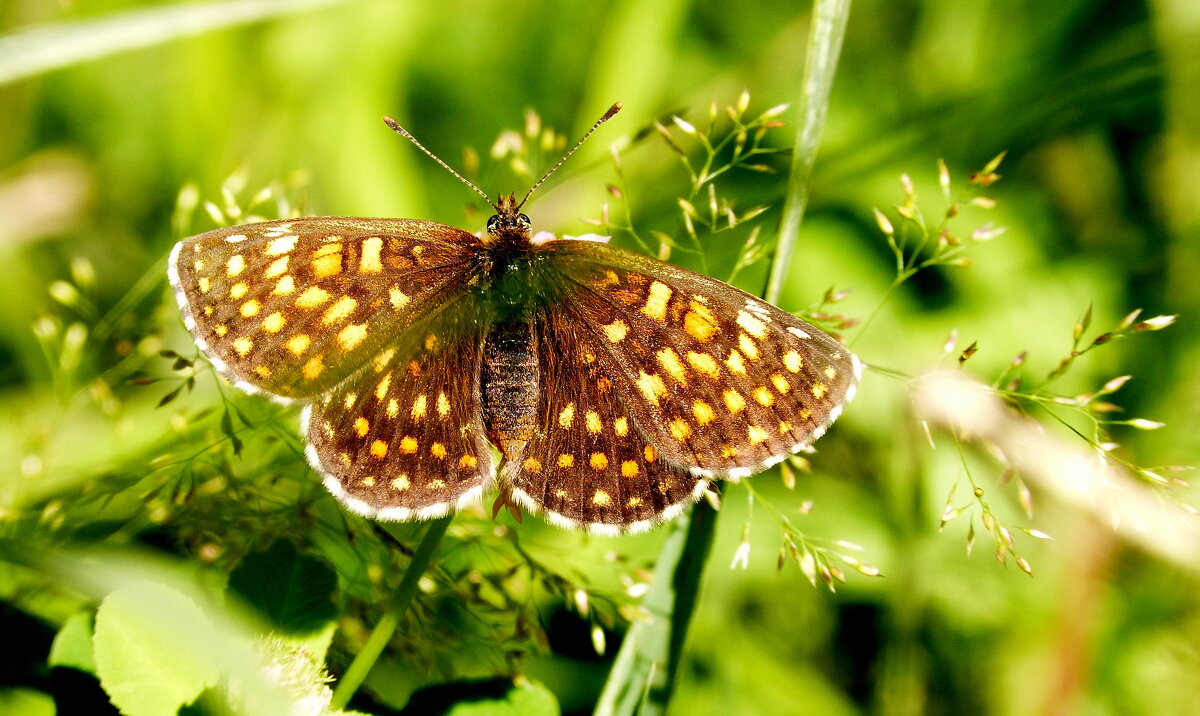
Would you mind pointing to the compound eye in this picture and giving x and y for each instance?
(492, 223)
(523, 220)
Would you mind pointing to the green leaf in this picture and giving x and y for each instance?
(227, 428)
(25, 702)
(41, 49)
(994, 164)
(170, 396)
(72, 645)
(524, 698)
(1083, 323)
(293, 591)
(153, 648)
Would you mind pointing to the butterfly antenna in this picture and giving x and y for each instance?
(407, 135)
(607, 116)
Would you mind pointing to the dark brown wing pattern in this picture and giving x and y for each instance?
(650, 379)
(719, 382)
(403, 438)
(293, 307)
(589, 464)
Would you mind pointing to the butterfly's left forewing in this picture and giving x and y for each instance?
(293, 307)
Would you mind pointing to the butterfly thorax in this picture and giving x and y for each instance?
(506, 256)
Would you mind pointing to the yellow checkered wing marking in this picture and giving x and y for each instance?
(589, 464)
(403, 438)
(718, 382)
(294, 307)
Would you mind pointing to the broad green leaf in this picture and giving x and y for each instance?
(293, 591)
(73, 644)
(524, 698)
(154, 649)
(25, 702)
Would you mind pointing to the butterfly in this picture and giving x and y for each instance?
(599, 387)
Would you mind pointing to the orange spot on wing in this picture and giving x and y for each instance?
(313, 368)
(369, 260)
(703, 412)
(680, 430)
(298, 343)
(312, 297)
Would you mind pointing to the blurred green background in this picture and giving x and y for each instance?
(1097, 104)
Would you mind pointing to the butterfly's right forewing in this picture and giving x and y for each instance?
(719, 382)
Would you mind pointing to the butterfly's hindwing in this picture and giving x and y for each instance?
(294, 307)
(588, 464)
(720, 383)
(404, 438)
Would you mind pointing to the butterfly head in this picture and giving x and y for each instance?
(508, 223)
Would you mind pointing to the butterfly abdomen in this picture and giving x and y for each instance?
(510, 384)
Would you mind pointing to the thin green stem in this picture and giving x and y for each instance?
(779, 516)
(820, 65)
(386, 626)
(644, 673)
(862, 330)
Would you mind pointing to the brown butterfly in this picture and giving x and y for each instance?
(614, 386)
